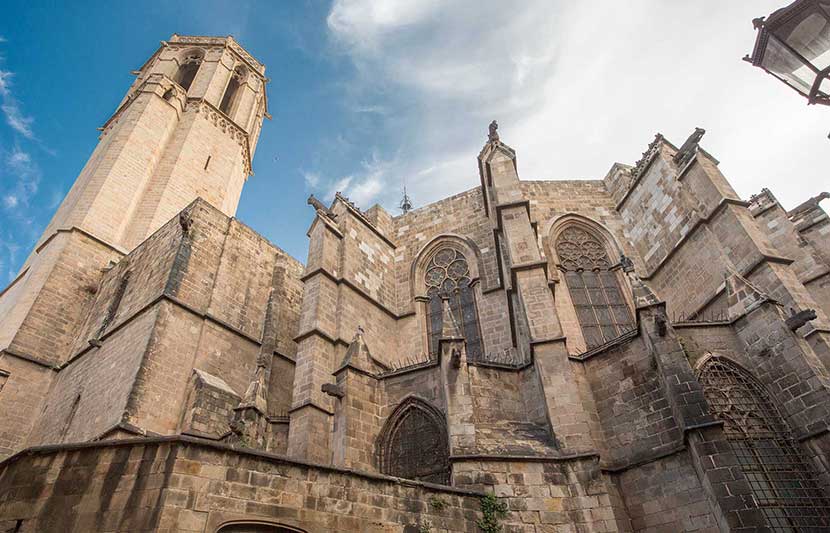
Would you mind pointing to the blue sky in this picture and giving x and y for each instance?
(368, 95)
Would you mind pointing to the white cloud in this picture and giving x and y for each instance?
(24, 179)
(11, 108)
(363, 187)
(575, 87)
(312, 179)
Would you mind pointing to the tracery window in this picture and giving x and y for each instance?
(232, 90)
(414, 444)
(602, 310)
(188, 68)
(786, 487)
(447, 277)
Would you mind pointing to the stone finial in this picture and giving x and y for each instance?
(493, 134)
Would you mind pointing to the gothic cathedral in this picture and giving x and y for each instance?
(642, 352)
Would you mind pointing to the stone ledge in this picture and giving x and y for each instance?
(184, 440)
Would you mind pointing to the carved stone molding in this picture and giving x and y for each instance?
(182, 42)
(226, 125)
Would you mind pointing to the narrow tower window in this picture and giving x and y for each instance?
(786, 487)
(447, 277)
(188, 69)
(600, 307)
(232, 91)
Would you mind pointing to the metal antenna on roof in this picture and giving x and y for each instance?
(406, 202)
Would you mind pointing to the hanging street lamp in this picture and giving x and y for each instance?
(793, 44)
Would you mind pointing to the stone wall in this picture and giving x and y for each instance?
(185, 484)
(175, 304)
(565, 495)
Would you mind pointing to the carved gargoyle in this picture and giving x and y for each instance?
(456, 358)
(798, 319)
(660, 323)
(687, 150)
(185, 222)
(319, 206)
(333, 390)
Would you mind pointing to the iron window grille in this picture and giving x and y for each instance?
(601, 309)
(786, 487)
(414, 444)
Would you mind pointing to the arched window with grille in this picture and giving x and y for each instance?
(188, 67)
(256, 527)
(447, 277)
(601, 308)
(414, 444)
(228, 105)
(785, 485)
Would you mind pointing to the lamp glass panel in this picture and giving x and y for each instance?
(809, 35)
(784, 63)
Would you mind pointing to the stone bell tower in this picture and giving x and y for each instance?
(187, 128)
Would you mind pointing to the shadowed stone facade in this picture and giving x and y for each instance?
(645, 352)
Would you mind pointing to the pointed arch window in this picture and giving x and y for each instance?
(257, 527)
(601, 309)
(787, 489)
(414, 443)
(232, 91)
(188, 68)
(447, 277)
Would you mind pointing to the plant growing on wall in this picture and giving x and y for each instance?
(493, 512)
(437, 503)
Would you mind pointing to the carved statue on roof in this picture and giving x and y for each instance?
(494, 134)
